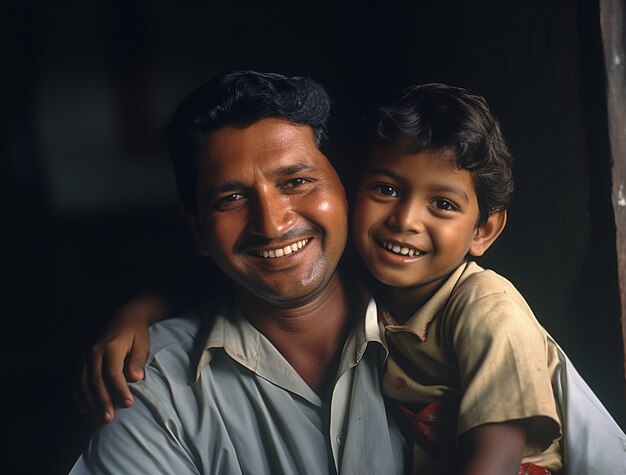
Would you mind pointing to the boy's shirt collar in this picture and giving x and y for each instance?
(420, 321)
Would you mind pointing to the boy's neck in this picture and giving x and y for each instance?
(404, 302)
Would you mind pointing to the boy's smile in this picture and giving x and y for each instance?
(401, 249)
(415, 218)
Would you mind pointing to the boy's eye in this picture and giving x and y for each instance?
(443, 205)
(386, 190)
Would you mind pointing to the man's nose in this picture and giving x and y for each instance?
(272, 214)
(407, 217)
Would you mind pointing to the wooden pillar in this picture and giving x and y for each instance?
(612, 23)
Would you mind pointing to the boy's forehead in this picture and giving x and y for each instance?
(391, 152)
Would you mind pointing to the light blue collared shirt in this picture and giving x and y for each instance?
(237, 406)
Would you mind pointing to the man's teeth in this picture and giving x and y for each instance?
(283, 251)
(402, 250)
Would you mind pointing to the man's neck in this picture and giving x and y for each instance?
(310, 336)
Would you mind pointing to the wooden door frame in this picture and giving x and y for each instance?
(612, 24)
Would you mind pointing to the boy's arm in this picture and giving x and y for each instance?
(121, 353)
(493, 449)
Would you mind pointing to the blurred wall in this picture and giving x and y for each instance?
(90, 199)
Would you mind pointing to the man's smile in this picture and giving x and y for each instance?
(282, 251)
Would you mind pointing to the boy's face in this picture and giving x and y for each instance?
(415, 218)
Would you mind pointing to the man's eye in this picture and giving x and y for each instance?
(229, 201)
(386, 190)
(296, 182)
(443, 205)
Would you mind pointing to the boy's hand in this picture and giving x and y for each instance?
(120, 355)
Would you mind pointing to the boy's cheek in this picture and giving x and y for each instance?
(360, 220)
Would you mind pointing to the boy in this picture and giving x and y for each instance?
(467, 356)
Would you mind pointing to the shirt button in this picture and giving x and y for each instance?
(341, 438)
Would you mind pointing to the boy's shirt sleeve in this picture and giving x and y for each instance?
(504, 360)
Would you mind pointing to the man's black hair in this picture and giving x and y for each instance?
(239, 99)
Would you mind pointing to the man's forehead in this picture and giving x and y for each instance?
(272, 144)
(268, 132)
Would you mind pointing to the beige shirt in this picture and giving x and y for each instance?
(477, 342)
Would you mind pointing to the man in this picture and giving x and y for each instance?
(283, 375)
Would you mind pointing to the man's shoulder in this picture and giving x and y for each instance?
(150, 436)
(176, 332)
(175, 347)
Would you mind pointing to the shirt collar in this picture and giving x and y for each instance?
(419, 322)
(366, 331)
(232, 332)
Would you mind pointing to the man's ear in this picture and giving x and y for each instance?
(194, 227)
(488, 233)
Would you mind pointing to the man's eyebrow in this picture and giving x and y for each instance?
(294, 169)
(224, 188)
(439, 187)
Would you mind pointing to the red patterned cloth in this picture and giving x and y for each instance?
(532, 469)
(434, 428)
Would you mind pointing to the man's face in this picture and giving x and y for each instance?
(271, 210)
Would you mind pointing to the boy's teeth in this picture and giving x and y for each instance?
(283, 251)
(397, 249)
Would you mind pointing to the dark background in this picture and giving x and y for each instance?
(89, 199)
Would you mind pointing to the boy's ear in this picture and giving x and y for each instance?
(488, 233)
(194, 227)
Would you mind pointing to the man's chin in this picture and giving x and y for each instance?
(296, 294)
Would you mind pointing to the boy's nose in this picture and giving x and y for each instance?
(272, 214)
(407, 217)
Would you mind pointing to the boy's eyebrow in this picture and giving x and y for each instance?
(383, 171)
(452, 189)
(438, 187)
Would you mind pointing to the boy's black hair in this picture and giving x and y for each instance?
(440, 117)
(240, 99)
